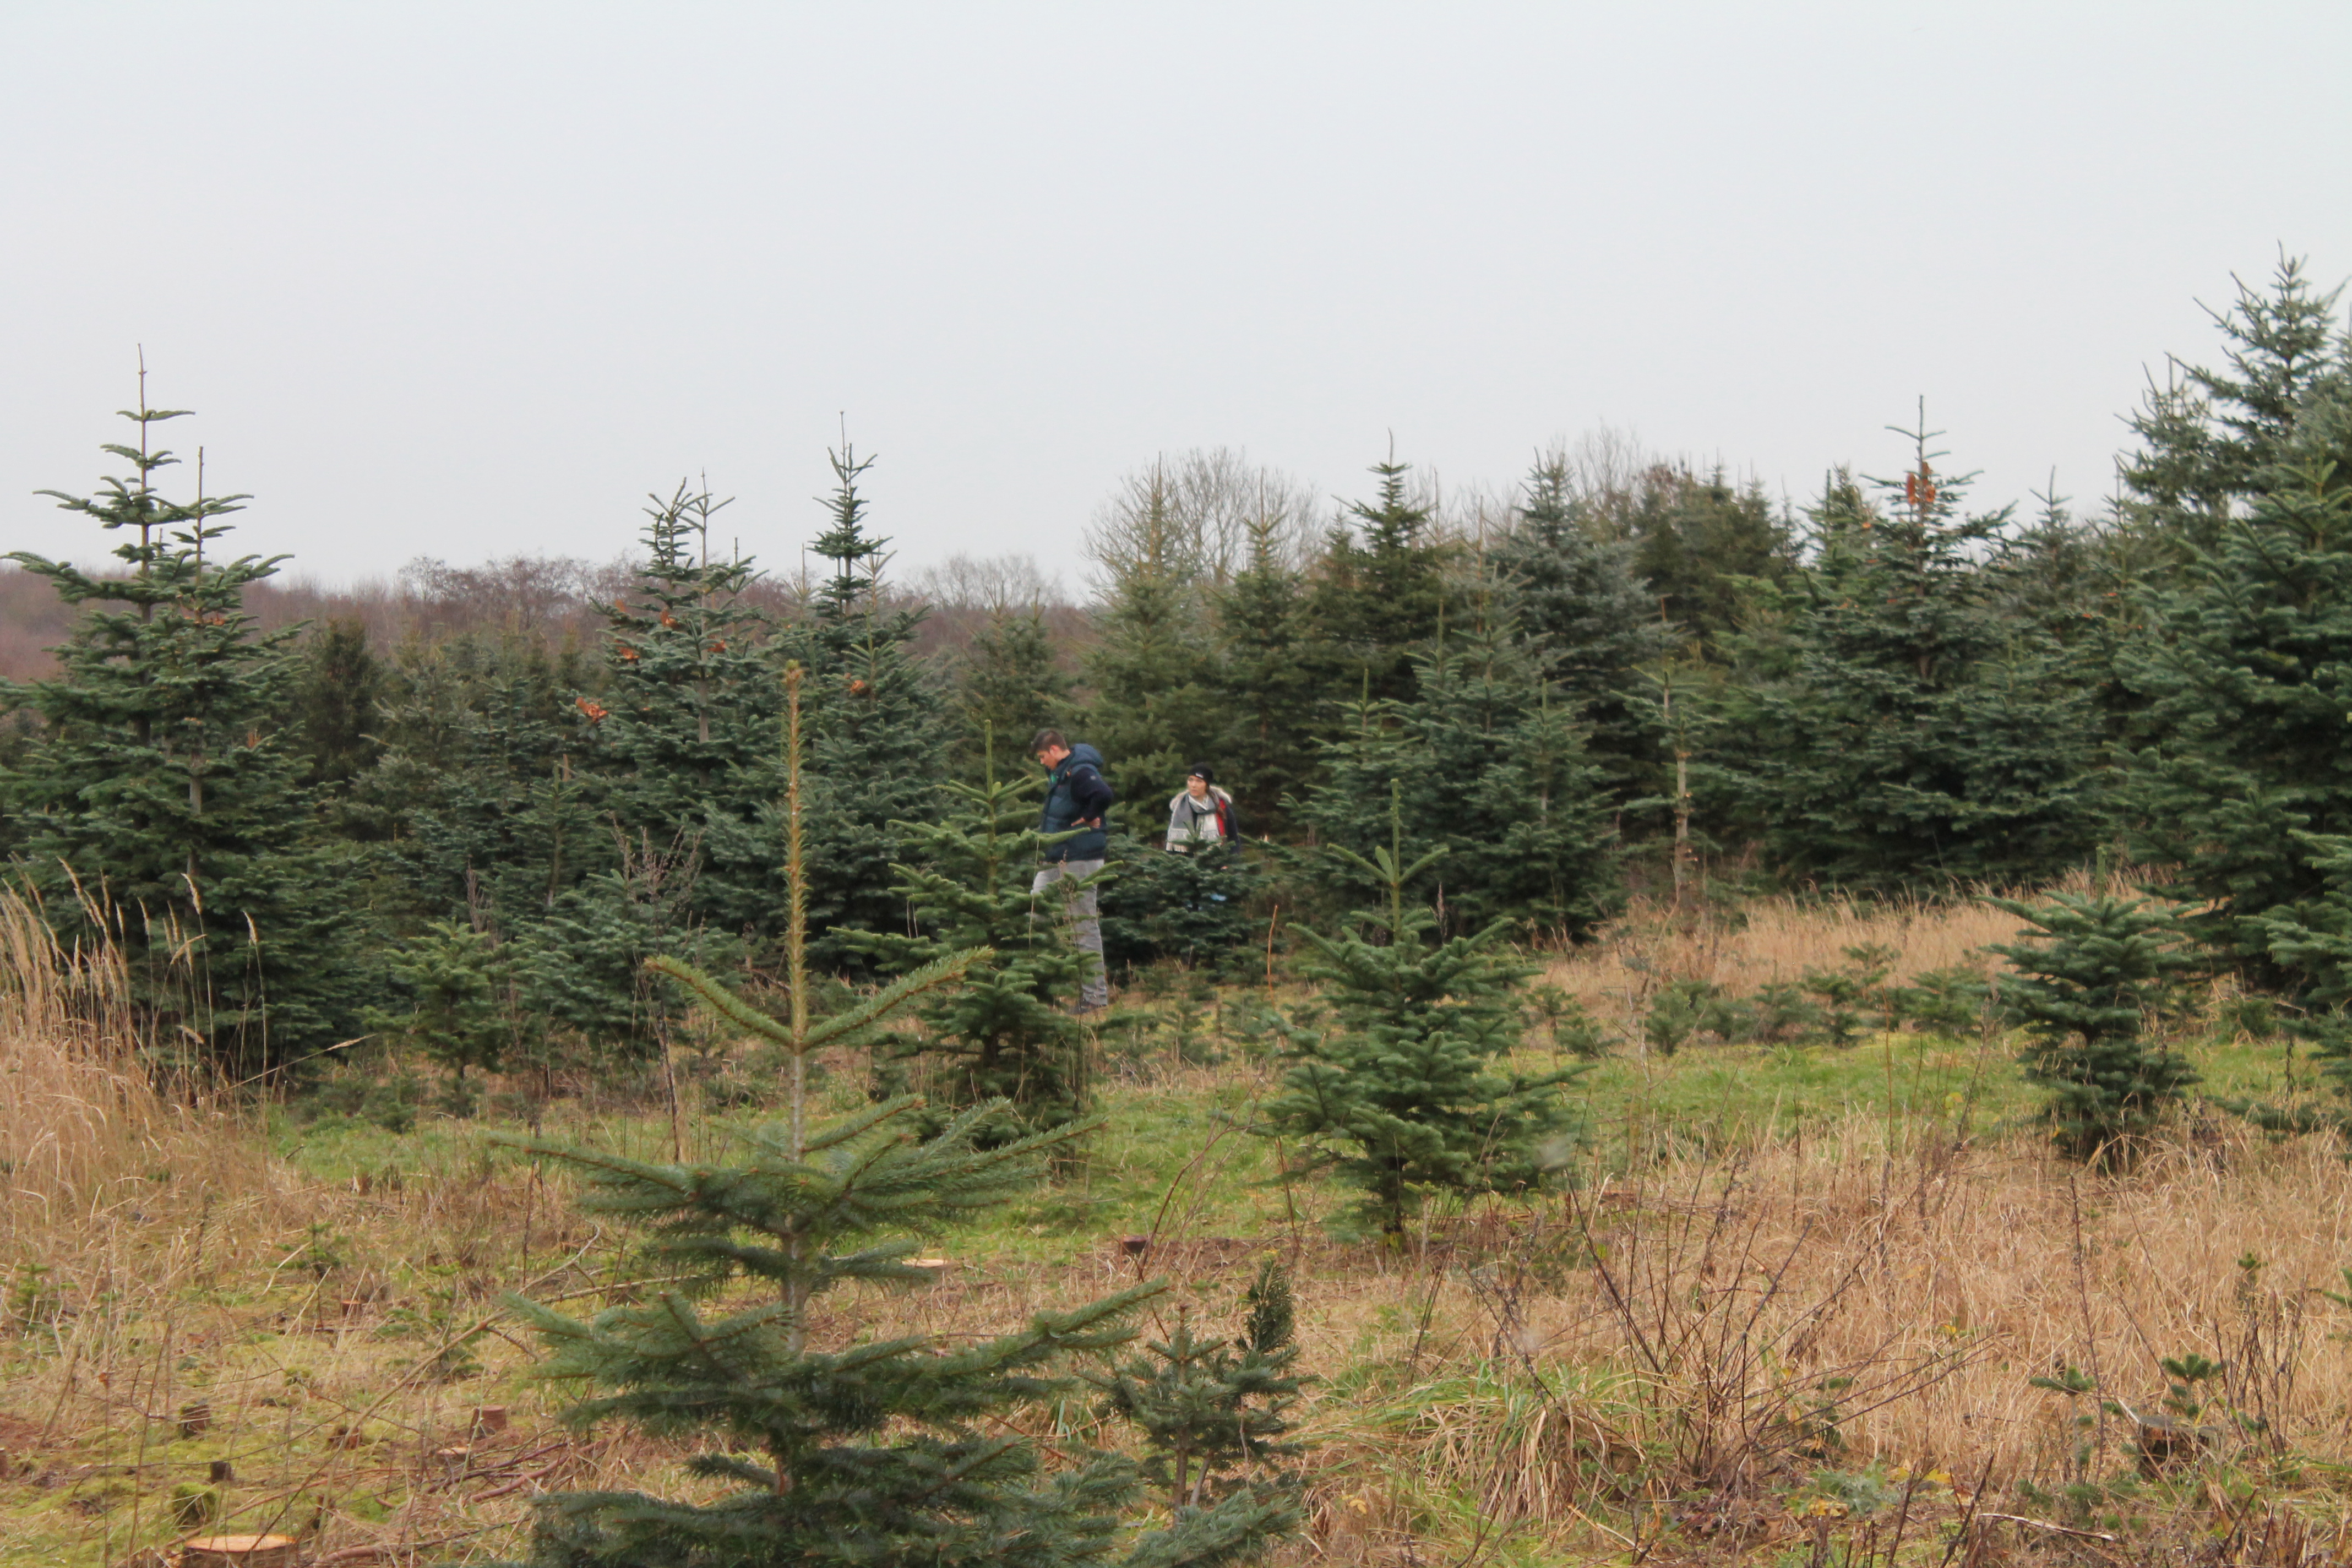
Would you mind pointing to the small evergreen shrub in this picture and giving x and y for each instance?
(2085, 990)
(1401, 1098)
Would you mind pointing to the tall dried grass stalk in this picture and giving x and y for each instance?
(80, 1114)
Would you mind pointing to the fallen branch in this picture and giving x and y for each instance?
(2054, 1529)
(521, 1482)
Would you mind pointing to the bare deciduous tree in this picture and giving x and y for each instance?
(1192, 515)
(996, 583)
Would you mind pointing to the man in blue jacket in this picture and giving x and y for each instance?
(1077, 796)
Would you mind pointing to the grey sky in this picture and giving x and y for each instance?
(464, 280)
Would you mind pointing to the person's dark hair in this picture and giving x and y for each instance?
(1044, 738)
(1201, 771)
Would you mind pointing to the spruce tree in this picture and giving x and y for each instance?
(876, 729)
(164, 797)
(1006, 1035)
(2086, 989)
(1402, 1097)
(894, 1451)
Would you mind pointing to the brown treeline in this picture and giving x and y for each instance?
(553, 597)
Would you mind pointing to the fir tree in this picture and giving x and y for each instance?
(1892, 729)
(481, 798)
(1379, 597)
(1155, 709)
(1271, 675)
(1194, 908)
(340, 703)
(2215, 440)
(1699, 544)
(2244, 671)
(167, 788)
(683, 728)
(1402, 1098)
(583, 963)
(455, 978)
(1212, 1412)
(1006, 1035)
(1486, 764)
(2084, 992)
(1009, 682)
(1575, 594)
(879, 1452)
(877, 732)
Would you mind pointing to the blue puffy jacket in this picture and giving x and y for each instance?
(1076, 792)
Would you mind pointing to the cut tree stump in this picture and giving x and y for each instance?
(238, 1551)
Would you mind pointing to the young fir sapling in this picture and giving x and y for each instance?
(1400, 1100)
(1211, 1411)
(2085, 993)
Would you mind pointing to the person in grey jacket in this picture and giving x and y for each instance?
(1201, 813)
(1077, 796)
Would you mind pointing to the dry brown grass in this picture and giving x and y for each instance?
(1653, 1365)
(1768, 940)
(82, 1125)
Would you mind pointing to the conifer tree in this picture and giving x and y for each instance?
(1402, 1098)
(1379, 597)
(1213, 1411)
(1698, 543)
(168, 789)
(2310, 940)
(1194, 908)
(1589, 619)
(341, 704)
(2243, 670)
(2214, 440)
(1009, 682)
(455, 978)
(877, 730)
(482, 800)
(2084, 990)
(1155, 709)
(1271, 677)
(683, 726)
(876, 1452)
(1892, 730)
(1486, 764)
(1006, 1035)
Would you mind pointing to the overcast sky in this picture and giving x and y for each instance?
(462, 280)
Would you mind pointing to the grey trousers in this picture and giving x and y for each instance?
(1084, 915)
